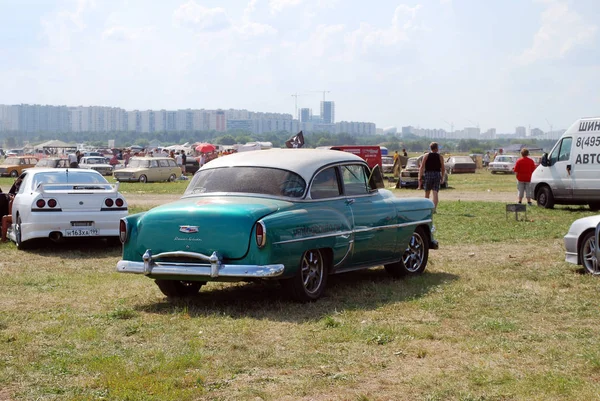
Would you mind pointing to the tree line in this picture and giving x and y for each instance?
(411, 143)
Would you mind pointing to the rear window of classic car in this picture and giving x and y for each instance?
(255, 180)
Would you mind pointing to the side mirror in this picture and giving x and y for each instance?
(544, 161)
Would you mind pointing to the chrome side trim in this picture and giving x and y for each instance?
(336, 234)
(359, 230)
(348, 252)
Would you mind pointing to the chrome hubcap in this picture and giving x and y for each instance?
(312, 271)
(414, 254)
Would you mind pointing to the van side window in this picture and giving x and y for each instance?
(562, 151)
(565, 149)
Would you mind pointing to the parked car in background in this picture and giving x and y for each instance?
(460, 164)
(149, 169)
(13, 166)
(503, 164)
(52, 162)
(387, 164)
(580, 244)
(64, 203)
(409, 176)
(98, 163)
(292, 215)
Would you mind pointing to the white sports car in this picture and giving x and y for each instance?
(98, 163)
(580, 244)
(61, 203)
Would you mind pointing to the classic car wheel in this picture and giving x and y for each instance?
(20, 243)
(449, 171)
(414, 258)
(309, 283)
(14, 173)
(545, 198)
(143, 179)
(587, 252)
(172, 177)
(179, 289)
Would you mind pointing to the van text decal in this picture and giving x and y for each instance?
(587, 142)
(588, 158)
(589, 126)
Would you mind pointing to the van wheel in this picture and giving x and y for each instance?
(594, 206)
(545, 198)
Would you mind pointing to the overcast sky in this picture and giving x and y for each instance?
(426, 63)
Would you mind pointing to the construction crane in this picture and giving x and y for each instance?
(476, 124)
(550, 126)
(451, 125)
(295, 95)
(323, 92)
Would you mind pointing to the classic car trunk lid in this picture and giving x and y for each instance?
(204, 225)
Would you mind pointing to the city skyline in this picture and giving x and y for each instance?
(428, 63)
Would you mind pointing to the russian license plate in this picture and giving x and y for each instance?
(81, 232)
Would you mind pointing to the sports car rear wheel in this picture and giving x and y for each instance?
(18, 235)
(179, 289)
(309, 282)
(587, 252)
(414, 258)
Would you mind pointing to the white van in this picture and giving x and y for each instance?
(570, 174)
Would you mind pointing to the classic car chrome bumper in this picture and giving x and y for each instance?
(152, 265)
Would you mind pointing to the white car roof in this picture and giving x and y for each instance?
(304, 162)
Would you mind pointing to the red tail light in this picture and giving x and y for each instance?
(108, 202)
(52, 203)
(119, 202)
(40, 203)
(261, 234)
(123, 230)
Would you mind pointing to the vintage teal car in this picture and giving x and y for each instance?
(293, 215)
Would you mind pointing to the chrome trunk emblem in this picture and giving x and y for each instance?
(188, 229)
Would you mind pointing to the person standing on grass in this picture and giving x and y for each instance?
(524, 168)
(432, 172)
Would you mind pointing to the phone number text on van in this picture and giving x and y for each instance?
(587, 142)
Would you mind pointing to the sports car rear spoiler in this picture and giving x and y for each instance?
(79, 187)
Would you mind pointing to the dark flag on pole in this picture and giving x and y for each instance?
(297, 141)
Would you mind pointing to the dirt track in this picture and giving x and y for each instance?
(446, 194)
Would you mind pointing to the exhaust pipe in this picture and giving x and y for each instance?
(56, 236)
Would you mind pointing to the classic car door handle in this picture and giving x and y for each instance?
(349, 201)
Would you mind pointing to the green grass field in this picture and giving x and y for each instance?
(498, 315)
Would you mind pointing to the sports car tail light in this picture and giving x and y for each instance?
(119, 202)
(40, 203)
(108, 202)
(261, 234)
(52, 203)
(123, 230)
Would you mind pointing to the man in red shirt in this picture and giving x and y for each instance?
(524, 168)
